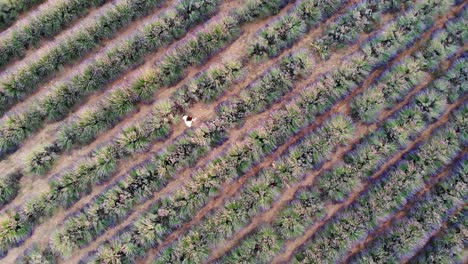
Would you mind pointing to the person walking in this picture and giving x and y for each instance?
(188, 120)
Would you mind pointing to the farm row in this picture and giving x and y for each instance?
(263, 190)
(70, 186)
(301, 161)
(139, 246)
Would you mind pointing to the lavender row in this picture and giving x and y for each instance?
(86, 127)
(292, 222)
(10, 10)
(329, 245)
(171, 26)
(449, 246)
(159, 170)
(442, 45)
(276, 82)
(171, 255)
(408, 234)
(136, 138)
(44, 24)
(22, 82)
(70, 187)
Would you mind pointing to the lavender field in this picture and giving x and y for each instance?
(323, 131)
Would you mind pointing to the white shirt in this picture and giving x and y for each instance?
(188, 123)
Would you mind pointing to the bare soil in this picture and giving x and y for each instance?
(400, 214)
(76, 66)
(31, 186)
(17, 160)
(293, 245)
(90, 12)
(342, 107)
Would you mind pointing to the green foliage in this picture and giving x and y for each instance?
(449, 245)
(9, 186)
(37, 255)
(11, 9)
(257, 195)
(111, 206)
(44, 24)
(275, 37)
(13, 229)
(94, 76)
(115, 203)
(255, 9)
(346, 29)
(306, 208)
(42, 159)
(410, 233)
(384, 199)
(389, 194)
(388, 90)
(259, 248)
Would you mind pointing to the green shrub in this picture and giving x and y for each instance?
(45, 24)
(57, 104)
(9, 186)
(11, 9)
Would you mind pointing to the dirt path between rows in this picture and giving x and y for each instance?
(179, 129)
(380, 230)
(26, 13)
(216, 152)
(342, 107)
(46, 41)
(238, 184)
(64, 75)
(293, 245)
(202, 112)
(17, 161)
(75, 67)
(433, 236)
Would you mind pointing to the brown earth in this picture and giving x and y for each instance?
(25, 18)
(32, 185)
(401, 213)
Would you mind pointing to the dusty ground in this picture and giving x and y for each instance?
(33, 185)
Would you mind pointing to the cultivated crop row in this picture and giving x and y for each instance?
(370, 156)
(182, 96)
(449, 245)
(411, 232)
(45, 24)
(183, 152)
(259, 193)
(172, 69)
(298, 227)
(157, 125)
(84, 128)
(21, 82)
(238, 212)
(443, 44)
(331, 244)
(82, 170)
(71, 224)
(381, 202)
(68, 188)
(307, 208)
(246, 163)
(351, 24)
(10, 10)
(54, 106)
(286, 30)
(41, 160)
